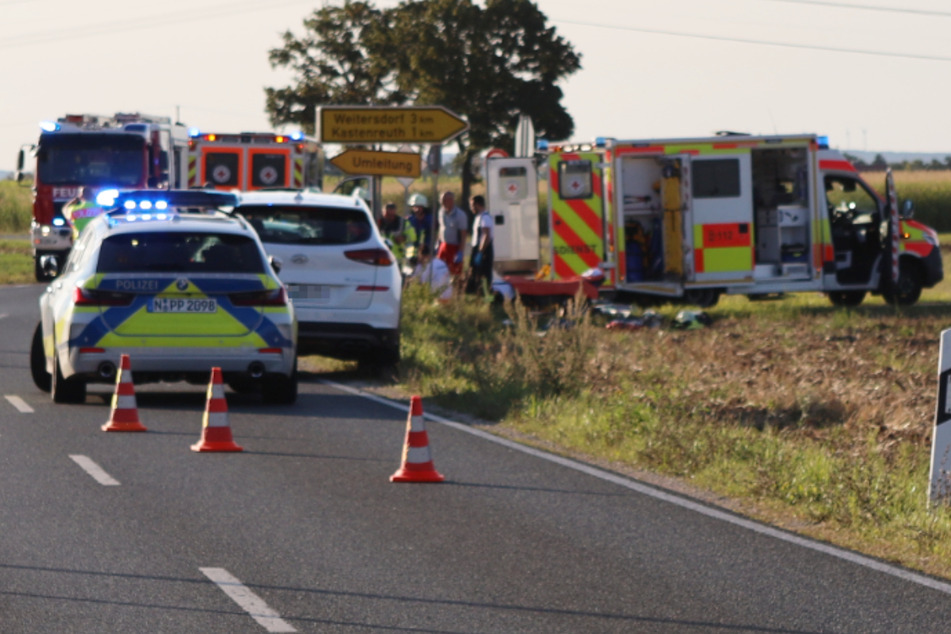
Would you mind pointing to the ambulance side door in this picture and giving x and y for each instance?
(720, 215)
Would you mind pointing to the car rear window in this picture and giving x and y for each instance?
(197, 252)
(294, 224)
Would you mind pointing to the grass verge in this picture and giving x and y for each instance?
(810, 417)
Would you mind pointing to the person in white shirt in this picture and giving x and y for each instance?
(483, 253)
(434, 272)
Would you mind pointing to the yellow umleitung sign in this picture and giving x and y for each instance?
(404, 164)
(397, 124)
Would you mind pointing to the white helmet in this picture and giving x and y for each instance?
(418, 200)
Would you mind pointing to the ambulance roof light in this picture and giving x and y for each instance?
(297, 136)
(193, 132)
(600, 141)
(823, 142)
(541, 145)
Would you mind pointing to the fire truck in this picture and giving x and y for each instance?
(692, 219)
(253, 160)
(124, 150)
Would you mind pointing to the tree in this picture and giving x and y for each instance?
(332, 64)
(486, 64)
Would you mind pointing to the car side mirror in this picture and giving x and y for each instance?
(907, 209)
(276, 263)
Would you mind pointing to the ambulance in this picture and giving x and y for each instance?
(696, 218)
(249, 161)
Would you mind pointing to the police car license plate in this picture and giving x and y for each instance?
(183, 305)
(308, 291)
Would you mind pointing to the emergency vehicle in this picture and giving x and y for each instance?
(691, 219)
(253, 160)
(124, 150)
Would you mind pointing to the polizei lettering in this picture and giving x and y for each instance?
(137, 285)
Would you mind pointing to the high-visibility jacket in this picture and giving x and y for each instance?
(79, 214)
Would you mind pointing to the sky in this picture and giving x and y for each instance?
(872, 75)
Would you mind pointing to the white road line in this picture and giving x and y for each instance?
(687, 503)
(249, 602)
(19, 403)
(97, 472)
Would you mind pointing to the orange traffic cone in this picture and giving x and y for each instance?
(125, 413)
(215, 431)
(417, 461)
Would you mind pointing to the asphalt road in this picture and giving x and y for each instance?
(133, 532)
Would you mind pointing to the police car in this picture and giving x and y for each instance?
(178, 286)
(344, 281)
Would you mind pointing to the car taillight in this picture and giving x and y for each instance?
(374, 257)
(273, 297)
(94, 297)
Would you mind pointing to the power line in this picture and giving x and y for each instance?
(219, 12)
(869, 7)
(741, 40)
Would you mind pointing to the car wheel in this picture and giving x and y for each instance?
(908, 289)
(65, 390)
(846, 298)
(278, 389)
(41, 378)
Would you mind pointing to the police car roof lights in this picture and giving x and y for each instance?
(50, 126)
(163, 199)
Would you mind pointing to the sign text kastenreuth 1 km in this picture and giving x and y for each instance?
(396, 124)
(405, 164)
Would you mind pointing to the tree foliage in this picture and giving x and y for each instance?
(486, 64)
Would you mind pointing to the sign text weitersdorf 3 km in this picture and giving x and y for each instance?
(397, 124)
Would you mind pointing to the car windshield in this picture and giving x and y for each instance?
(295, 224)
(185, 252)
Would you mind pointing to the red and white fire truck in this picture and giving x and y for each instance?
(124, 150)
(253, 160)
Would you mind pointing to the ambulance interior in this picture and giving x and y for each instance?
(781, 212)
(654, 214)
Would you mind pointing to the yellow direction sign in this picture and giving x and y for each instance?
(396, 124)
(405, 164)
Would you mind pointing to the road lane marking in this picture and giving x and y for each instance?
(677, 500)
(249, 602)
(19, 403)
(97, 472)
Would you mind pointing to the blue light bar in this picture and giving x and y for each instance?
(823, 142)
(193, 132)
(50, 126)
(541, 144)
(107, 198)
(297, 136)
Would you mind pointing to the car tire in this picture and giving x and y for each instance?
(846, 298)
(278, 389)
(908, 289)
(65, 390)
(41, 378)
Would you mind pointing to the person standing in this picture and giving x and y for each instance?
(453, 232)
(483, 252)
(81, 209)
(393, 228)
(422, 223)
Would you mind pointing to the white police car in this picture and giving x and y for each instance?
(176, 285)
(344, 281)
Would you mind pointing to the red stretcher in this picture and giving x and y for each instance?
(566, 288)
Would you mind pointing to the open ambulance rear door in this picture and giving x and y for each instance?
(577, 224)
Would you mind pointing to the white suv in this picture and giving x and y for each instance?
(343, 280)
